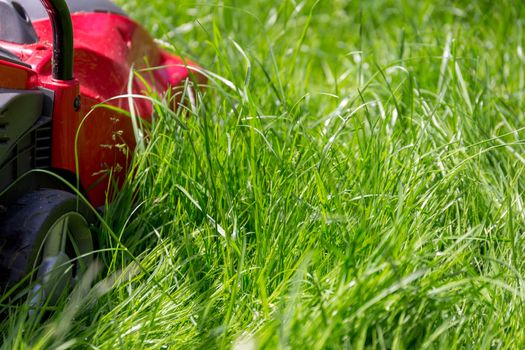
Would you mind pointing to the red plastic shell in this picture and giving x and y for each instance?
(15, 76)
(107, 47)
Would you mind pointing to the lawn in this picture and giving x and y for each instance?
(352, 177)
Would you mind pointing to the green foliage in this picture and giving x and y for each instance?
(352, 177)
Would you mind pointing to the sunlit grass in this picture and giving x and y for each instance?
(351, 177)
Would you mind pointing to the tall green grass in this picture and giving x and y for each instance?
(351, 177)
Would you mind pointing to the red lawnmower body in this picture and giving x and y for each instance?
(106, 47)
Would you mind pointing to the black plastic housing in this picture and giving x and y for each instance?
(25, 143)
(15, 24)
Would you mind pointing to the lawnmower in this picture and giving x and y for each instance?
(61, 62)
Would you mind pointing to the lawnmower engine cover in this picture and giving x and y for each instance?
(50, 123)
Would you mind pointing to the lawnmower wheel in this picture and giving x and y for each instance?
(45, 235)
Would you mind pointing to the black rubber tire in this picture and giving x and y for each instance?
(24, 225)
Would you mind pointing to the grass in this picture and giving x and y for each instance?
(352, 177)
